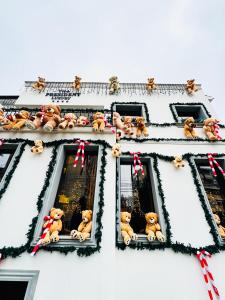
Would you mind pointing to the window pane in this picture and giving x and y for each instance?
(76, 188)
(129, 110)
(191, 111)
(136, 195)
(13, 290)
(5, 157)
(214, 187)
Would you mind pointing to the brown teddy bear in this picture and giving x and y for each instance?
(116, 150)
(191, 86)
(126, 230)
(114, 85)
(69, 121)
(189, 125)
(49, 116)
(99, 122)
(77, 83)
(53, 233)
(141, 128)
(178, 162)
(209, 128)
(82, 121)
(38, 147)
(40, 84)
(153, 229)
(84, 230)
(117, 122)
(128, 126)
(3, 119)
(19, 120)
(151, 84)
(221, 229)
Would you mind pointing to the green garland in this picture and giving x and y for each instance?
(176, 247)
(142, 140)
(86, 251)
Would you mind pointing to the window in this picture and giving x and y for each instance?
(18, 285)
(7, 152)
(133, 110)
(182, 112)
(73, 189)
(137, 195)
(214, 187)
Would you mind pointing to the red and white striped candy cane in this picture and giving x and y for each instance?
(207, 275)
(81, 146)
(46, 230)
(213, 161)
(137, 159)
(42, 114)
(216, 131)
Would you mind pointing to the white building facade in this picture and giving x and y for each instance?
(103, 267)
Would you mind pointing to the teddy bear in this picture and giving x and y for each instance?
(38, 147)
(82, 121)
(40, 84)
(141, 128)
(128, 126)
(221, 229)
(189, 125)
(56, 226)
(114, 85)
(126, 230)
(99, 122)
(69, 121)
(84, 229)
(49, 116)
(153, 229)
(18, 121)
(3, 119)
(191, 86)
(117, 122)
(116, 150)
(178, 162)
(77, 83)
(209, 128)
(151, 84)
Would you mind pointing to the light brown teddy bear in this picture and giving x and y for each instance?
(221, 229)
(191, 86)
(53, 233)
(49, 116)
(82, 121)
(114, 85)
(153, 229)
(209, 128)
(69, 121)
(116, 150)
(77, 83)
(39, 84)
(141, 128)
(117, 122)
(128, 126)
(151, 84)
(19, 121)
(3, 119)
(84, 230)
(126, 230)
(99, 122)
(178, 162)
(38, 147)
(189, 125)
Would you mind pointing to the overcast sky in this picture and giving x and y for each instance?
(171, 40)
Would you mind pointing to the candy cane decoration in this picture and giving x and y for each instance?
(207, 275)
(137, 159)
(42, 114)
(213, 161)
(46, 230)
(216, 131)
(81, 146)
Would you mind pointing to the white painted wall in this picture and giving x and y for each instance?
(114, 274)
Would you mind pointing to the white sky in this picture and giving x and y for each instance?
(172, 40)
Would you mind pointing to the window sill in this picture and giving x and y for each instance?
(66, 241)
(142, 238)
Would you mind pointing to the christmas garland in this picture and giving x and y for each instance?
(142, 140)
(84, 251)
(176, 247)
(124, 103)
